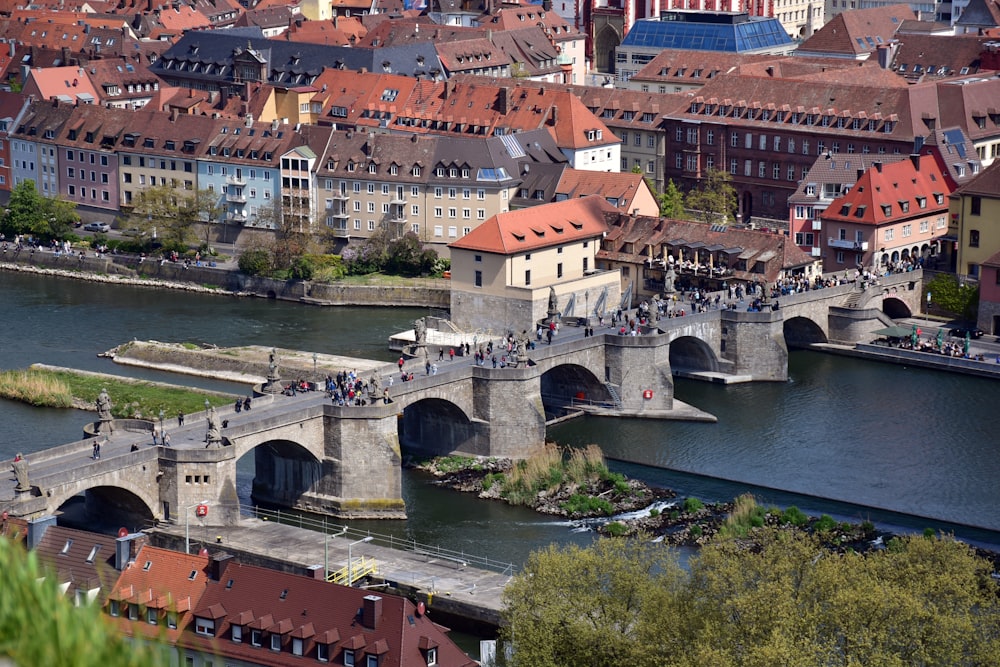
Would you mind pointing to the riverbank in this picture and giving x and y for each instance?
(226, 280)
(43, 385)
(659, 514)
(988, 368)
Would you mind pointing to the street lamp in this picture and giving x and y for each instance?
(207, 405)
(314, 364)
(187, 525)
(350, 561)
(326, 552)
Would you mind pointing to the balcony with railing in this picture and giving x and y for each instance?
(236, 216)
(236, 198)
(238, 181)
(848, 244)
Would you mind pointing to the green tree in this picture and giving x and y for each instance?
(671, 202)
(714, 198)
(255, 262)
(41, 626)
(406, 256)
(30, 213)
(172, 213)
(591, 606)
(779, 598)
(953, 297)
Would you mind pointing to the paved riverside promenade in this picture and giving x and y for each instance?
(443, 580)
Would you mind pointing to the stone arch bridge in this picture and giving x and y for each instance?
(345, 461)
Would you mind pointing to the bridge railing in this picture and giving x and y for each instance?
(322, 525)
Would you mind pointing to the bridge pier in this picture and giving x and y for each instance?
(191, 477)
(639, 365)
(360, 476)
(755, 343)
(508, 401)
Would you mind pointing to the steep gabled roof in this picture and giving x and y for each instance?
(83, 561)
(986, 184)
(293, 606)
(529, 229)
(614, 187)
(889, 193)
(857, 32)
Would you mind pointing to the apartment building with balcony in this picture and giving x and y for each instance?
(440, 188)
(830, 177)
(895, 212)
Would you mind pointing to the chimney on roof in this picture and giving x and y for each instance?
(878, 167)
(213, 97)
(555, 115)
(506, 99)
(127, 548)
(371, 611)
(174, 112)
(218, 565)
(861, 172)
(336, 21)
(915, 159)
(274, 125)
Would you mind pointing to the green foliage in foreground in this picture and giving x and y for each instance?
(58, 389)
(928, 602)
(40, 626)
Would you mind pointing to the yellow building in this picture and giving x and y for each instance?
(975, 221)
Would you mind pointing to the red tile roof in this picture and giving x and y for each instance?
(528, 229)
(889, 193)
(293, 606)
(857, 32)
(621, 187)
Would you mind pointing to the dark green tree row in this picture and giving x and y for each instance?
(780, 600)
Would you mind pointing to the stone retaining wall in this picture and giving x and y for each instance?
(128, 269)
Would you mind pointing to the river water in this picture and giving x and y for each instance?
(918, 444)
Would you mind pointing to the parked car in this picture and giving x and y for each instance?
(101, 227)
(960, 332)
(133, 231)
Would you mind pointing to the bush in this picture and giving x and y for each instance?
(255, 262)
(491, 479)
(581, 504)
(695, 531)
(824, 524)
(653, 512)
(692, 504)
(794, 516)
(616, 529)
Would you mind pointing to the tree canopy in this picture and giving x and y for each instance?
(671, 202)
(171, 212)
(714, 198)
(780, 599)
(28, 212)
(951, 296)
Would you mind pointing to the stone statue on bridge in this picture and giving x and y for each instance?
(213, 438)
(20, 469)
(105, 422)
(669, 280)
(273, 384)
(420, 331)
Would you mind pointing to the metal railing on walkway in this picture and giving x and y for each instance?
(323, 525)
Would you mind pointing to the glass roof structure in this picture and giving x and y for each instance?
(747, 34)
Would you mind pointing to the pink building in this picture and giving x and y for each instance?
(895, 212)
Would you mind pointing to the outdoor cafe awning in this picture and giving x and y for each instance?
(895, 332)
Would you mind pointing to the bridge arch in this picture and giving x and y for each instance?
(564, 383)
(895, 307)
(284, 470)
(689, 353)
(108, 504)
(436, 426)
(802, 332)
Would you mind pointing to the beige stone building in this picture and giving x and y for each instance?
(502, 272)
